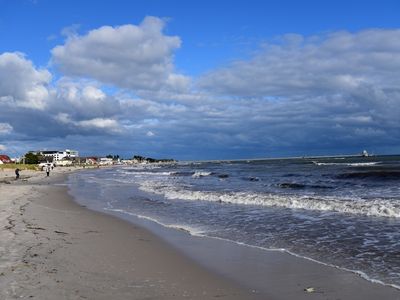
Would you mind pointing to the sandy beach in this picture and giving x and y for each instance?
(54, 248)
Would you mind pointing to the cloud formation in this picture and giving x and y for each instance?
(21, 84)
(297, 95)
(80, 101)
(129, 56)
(33, 108)
(5, 128)
(337, 88)
(340, 62)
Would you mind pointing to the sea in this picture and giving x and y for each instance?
(339, 211)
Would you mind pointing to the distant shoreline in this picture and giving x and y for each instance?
(292, 157)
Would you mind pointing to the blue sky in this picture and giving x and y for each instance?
(200, 80)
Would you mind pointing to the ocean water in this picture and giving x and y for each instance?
(342, 211)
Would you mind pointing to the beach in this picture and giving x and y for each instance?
(54, 248)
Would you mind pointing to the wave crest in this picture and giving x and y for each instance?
(364, 164)
(374, 207)
(199, 174)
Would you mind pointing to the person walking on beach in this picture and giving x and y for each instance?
(17, 173)
(47, 169)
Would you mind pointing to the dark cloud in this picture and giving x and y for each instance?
(338, 90)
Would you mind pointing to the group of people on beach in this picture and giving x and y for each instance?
(46, 169)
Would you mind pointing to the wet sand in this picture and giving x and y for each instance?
(54, 248)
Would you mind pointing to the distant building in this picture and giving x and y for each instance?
(106, 161)
(91, 160)
(127, 161)
(64, 162)
(5, 159)
(57, 155)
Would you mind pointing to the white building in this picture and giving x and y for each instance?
(105, 161)
(58, 155)
(64, 163)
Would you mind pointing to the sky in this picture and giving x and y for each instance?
(196, 80)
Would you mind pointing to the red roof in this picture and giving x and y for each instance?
(5, 159)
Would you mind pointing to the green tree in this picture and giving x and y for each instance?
(31, 158)
(139, 157)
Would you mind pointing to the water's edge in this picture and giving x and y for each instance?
(196, 246)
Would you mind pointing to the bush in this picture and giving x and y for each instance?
(31, 159)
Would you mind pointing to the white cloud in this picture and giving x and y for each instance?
(104, 124)
(83, 100)
(339, 62)
(5, 128)
(101, 123)
(63, 118)
(135, 57)
(21, 83)
(3, 148)
(150, 134)
(93, 93)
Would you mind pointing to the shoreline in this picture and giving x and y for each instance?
(184, 231)
(197, 247)
(58, 249)
(277, 273)
(214, 268)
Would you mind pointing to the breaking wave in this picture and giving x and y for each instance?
(370, 207)
(199, 174)
(364, 164)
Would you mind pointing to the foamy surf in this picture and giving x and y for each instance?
(188, 229)
(363, 164)
(345, 213)
(377, 207)
(199, 174)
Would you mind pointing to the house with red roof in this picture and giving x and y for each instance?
(91, 160)
(5, 159)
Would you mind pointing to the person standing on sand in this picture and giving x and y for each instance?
(17, 173)
(47, 169)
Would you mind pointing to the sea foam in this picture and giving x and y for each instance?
(371, 207)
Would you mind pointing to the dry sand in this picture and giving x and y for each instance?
(53, 248)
